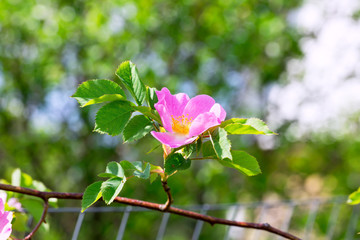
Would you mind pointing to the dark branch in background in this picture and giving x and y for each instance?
(154, 206)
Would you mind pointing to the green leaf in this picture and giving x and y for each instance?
(246, 126)
(154, 148)
(34, 206)
(53, 202)
(175, 162)
(112, 118)
(232, 120)
(137, 128)
(39, 186)
(208, 150)
(115, 169)
(147, 111)
(151, 96)
(21, 222)
(189, 149)
(18, 178)
(221, 143)
(143, 170)
(106, 175)
(91, 195)
(98, 91)
(154, 172)
(106, 98)
(198, 146)
(136, 168)
(22, 179)
(243, 162)
(128, 168)
(354, 198)
(111, 188)
(128, 74)
(153, 177)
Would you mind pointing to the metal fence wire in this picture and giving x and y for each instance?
(301, 218)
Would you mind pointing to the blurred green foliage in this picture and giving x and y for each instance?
(49, 47)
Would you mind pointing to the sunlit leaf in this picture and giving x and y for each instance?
(137, 168)
(129, 76)
(354, 198)
(147, 111)
(151, 97)
(16, 177)
(243, 162)
(221, 143)
(98, 91)
(39, 186)
(189, 149)
(137, 127)
(113, 117)
(21, 179)
(246, 126)
(106, 98)
(113, 169)
(91, 195)
(143, 170)
(111, 188)
(208, 150)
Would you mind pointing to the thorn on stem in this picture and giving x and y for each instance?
(266, 225)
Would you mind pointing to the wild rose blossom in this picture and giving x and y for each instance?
(5, 219)
(185, 119)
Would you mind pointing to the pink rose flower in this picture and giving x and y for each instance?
(5, 220)
(14, 203)
(185, 119)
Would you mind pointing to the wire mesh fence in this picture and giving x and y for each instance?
(310, 219)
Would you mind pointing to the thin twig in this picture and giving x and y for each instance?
(42, 219)
(202, 158)
(170, 200)
(157, 207)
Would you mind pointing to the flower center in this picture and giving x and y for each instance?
(181, 124)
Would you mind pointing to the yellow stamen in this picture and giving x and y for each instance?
(181, 124)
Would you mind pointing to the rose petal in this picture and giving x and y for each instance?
(6, 234)
(175, 104)
(219, 112)
(164, 115)
(2, 206)
(5, 225)
(14, 202)
(197, 105)
(202, 123)
(173, 140)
